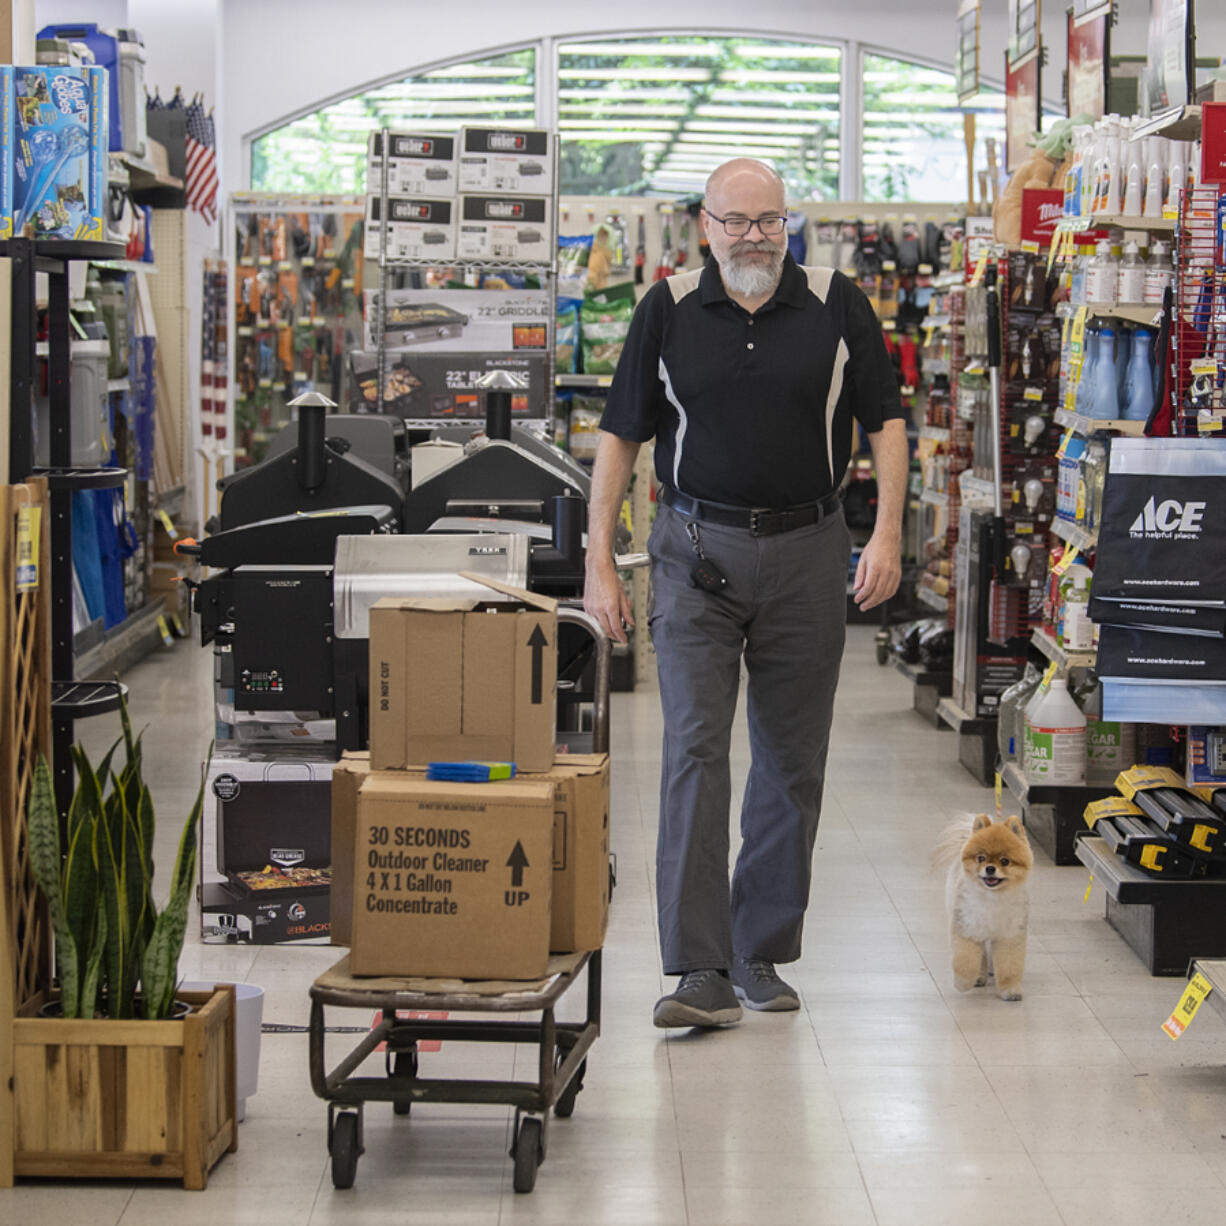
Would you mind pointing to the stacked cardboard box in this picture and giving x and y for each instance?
(467, 880)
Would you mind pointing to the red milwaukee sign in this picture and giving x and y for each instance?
(1042, 208)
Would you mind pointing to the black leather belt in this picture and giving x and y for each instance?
(761, 521)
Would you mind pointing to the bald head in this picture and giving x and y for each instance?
(738, 176)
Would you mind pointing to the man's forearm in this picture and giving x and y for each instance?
(892, 460)
(610, 479)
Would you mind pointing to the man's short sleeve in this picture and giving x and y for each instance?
(871, 371)
(636, 397)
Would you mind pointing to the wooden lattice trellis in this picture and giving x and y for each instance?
(25, 733)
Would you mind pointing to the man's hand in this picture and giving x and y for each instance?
(605, 599)
(879, 571)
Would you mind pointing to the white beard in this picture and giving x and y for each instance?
(752, 280)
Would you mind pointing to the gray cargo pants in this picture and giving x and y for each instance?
(785, 610)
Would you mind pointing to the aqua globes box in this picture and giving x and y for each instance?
(451, 880)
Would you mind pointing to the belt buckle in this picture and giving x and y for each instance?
(764, 522)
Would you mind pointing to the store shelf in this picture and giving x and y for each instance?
(583, 380)
(926, 596)
(1053, 651)
(1214, 970)
(1080, 424)
(1074, 534)
(1107, 221)
(1147, 314)
(125, 265)
(1177, 123)
(492, 265)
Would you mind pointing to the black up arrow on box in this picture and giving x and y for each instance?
(517, 862)
(538, 642)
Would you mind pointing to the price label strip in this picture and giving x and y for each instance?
(29, 523)
(1198, 988)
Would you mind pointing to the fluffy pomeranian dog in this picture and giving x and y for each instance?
(986, 898)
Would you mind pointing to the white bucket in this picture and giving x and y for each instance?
(248, 1020)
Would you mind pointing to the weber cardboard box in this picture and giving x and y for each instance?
(505, 227)
(461, 320)
(506, 160)
(418, 164)
(266, 846)
(419, 228)
(451, 880)
(464, 679)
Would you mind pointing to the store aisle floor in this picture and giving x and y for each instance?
(888, 1098)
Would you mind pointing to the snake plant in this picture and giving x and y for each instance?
(108, 933)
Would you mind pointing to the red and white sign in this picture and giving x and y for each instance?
(1042, 209)
(1213, 142)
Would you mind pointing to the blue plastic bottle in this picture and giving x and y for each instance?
(1140, 378)
(1085, 383)
(1105, 404)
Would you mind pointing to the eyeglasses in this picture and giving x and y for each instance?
(738, 227)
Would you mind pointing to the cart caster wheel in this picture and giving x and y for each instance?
(405, 1066)
(529, 1152)
(344, 1149)
(883, 650)
(564, 1108)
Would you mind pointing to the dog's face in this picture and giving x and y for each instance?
(997, 855)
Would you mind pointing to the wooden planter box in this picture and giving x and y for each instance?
(125, 1099)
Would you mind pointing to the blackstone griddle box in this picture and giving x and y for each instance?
(275, 822)
(409, 323)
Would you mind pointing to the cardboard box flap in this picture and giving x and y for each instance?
(545, 603)
(428, 604)
(395, 783)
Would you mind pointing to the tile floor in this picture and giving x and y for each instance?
(888, 1098)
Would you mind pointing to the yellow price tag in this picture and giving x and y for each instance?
(1089, 887)
(1033, 393)
(1000, 786)
(1064, 442)
(1209, 423)
(168, 525)
(1203, 366)
(1030, 246)
(980, 269)
(1067, 558)
(1198, 988)
(29, 523)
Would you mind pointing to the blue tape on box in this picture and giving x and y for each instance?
(58, 155)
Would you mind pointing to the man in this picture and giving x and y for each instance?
(748, 374)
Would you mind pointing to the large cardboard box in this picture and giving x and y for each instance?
(580, 906)
(452, 680)
(418, 164)
(501, 227)
(348, 775)
(579, 910)
(451, 879)
(419, 229)
(506, 160)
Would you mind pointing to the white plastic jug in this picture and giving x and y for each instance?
(1056, 739)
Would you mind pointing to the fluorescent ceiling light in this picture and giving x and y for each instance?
(478, 70)
(786, 51)
(617, 110)
(706, 51)
(666, 72)
(661, 125)
(613, 94)
(771, 76)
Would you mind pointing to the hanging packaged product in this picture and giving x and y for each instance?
(605, 322)
(53, 141)
(566, 337)
(584, 432)
(418, 164)
(1056, 740)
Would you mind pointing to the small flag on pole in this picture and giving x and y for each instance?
(201, 183)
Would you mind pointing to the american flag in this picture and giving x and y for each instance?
(201, 161)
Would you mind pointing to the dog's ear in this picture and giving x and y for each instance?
(1015, 824)
(982, 820)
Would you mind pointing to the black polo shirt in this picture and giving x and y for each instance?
(753, 410)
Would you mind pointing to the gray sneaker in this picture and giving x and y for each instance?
(755, 982)
(703, 998)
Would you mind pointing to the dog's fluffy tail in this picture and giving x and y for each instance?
(949, 846)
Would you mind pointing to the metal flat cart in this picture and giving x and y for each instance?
(562, 1047)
